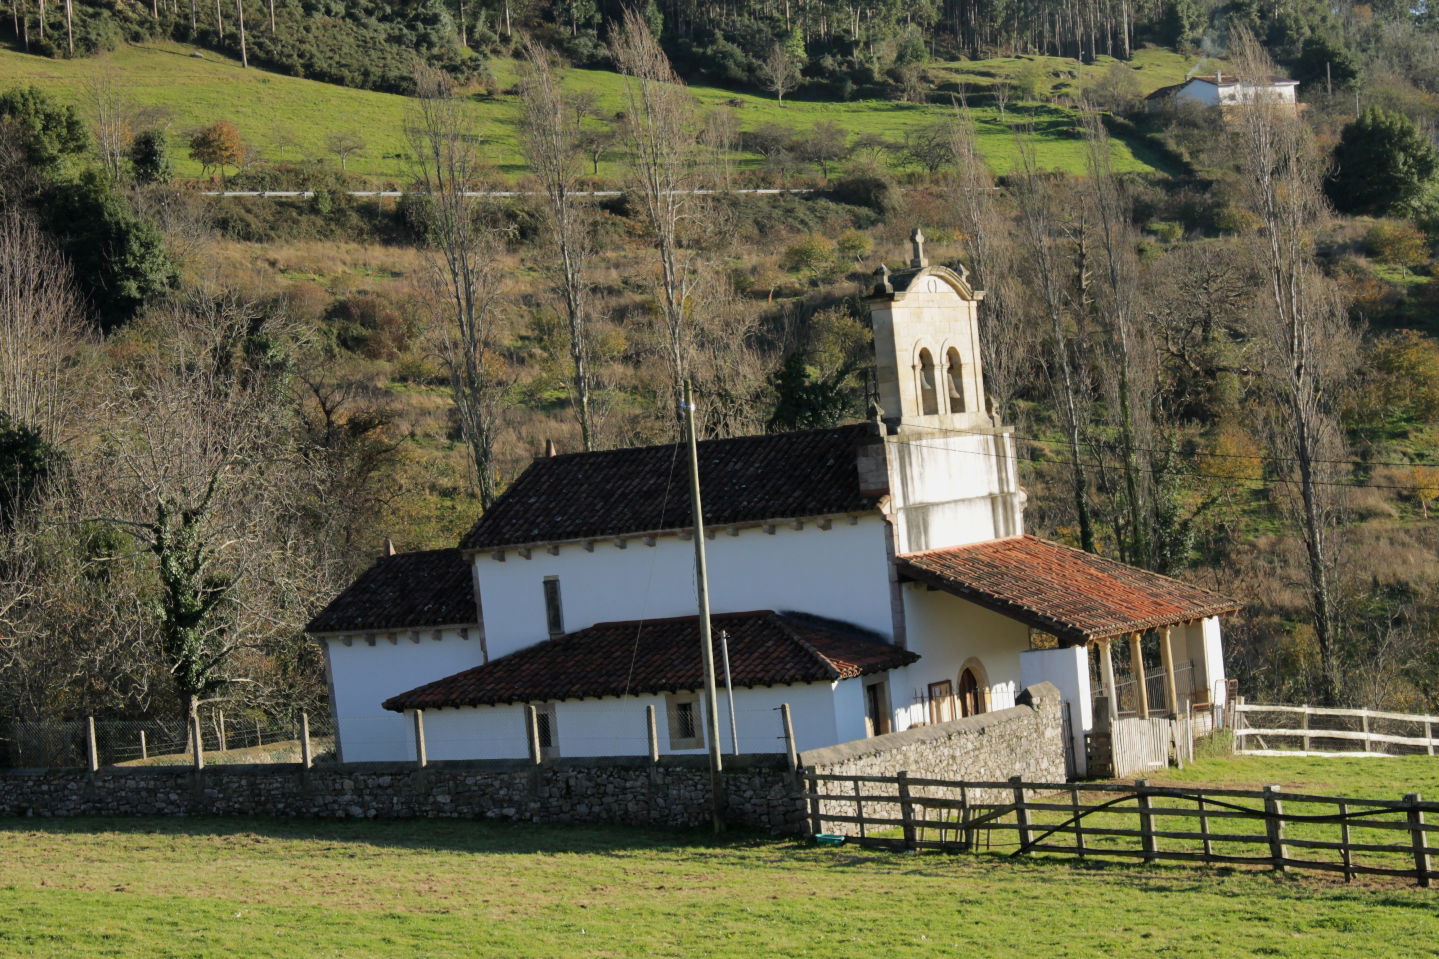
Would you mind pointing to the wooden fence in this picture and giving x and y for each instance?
(1296, 731)
(1152, 823)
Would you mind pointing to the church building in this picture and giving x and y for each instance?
(874, 577)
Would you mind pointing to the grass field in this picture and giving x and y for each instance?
(212, 887)
(289, 119)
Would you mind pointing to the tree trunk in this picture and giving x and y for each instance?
(240, 20)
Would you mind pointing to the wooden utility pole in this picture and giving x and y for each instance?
(240, 19)
(707, 651)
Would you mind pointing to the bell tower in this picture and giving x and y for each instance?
(950, 470)
(926, 345)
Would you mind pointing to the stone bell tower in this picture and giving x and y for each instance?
(950, 469)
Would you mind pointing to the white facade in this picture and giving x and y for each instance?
(1209, 92)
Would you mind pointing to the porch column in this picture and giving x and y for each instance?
(1166, 653)
(1136, 663)
(1106, 666)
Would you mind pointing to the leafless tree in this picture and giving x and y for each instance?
(1303, 333)
(1044, 233)
(549, 136)
(448, 166)
(42, 328)
(779, 71)
(345, 145)
(113, 115)
(660, 123)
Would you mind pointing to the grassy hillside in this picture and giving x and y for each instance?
(288, 119)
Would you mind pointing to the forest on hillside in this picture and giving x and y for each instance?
(213, 412)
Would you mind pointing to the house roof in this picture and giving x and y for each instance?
(1214, 81)
(409, 590)
(1074, 595)
(615, 492)
(662, 655)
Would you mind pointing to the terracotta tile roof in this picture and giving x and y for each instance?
(662, 655)
(1074, 595)
(613, 492)
(431, 588)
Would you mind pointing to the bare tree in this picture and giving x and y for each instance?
(448, 167)
(660, 123)
(1303, 332)
(988, 247)
(345, 145)
(113, 113)
(780, 71)
(549, 136)
(41, 328)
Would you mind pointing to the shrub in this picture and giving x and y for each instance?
(1393, 241)
(869, 189)
(150, 157)
(812, 254)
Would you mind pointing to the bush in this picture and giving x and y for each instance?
(869, 189)
(814, 253)
(150, 157)
(1397, 242)
(1383, 162)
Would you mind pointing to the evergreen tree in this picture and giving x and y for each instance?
(1382, 162)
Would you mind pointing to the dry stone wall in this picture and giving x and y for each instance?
(760, 792)
(1026, 741)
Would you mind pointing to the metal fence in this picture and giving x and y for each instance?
(224, 738)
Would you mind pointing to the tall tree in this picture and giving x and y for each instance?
(449, 168)
(1304, 338)
(661, 127)
(550, 137)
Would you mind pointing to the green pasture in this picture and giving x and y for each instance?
(290, 119)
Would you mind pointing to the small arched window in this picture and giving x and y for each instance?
(954, 375)
(928, 395)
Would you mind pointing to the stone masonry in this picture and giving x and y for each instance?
(759, 791)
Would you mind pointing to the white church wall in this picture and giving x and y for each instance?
(947, 633)
(617, 726)
(1068, 669)
(363, 676)
(840, 573)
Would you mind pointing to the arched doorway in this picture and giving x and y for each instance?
(969, 695)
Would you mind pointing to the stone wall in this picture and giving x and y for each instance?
(1025, 741)
(674, 792)
(759, 791)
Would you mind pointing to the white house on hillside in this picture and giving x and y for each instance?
(1228, 90)
(874, 576)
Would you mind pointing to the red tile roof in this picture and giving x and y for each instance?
(614, 492)
(407, 591)
(1074, 595)
(662, 655)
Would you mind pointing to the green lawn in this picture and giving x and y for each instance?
(228, 887)
(289, 119)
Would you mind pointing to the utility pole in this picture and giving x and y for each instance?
(702, 591)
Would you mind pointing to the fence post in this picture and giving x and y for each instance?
(652, 731)
(816, 822)
(1146, 819)
(1429, 734)
(1021, 814)
(144, 749)
(1304, 725)
(1274, 821)
(422, 758)
(790, 751)
(1418, 837)
(1368, 741)
(220, 723)
(1344, 840)
(92, 752)
(307, 758)
(906, 809)
(532, 734)
(1078, 821)
(197, 740)
(1204, 828)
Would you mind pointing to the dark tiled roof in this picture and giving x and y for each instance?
(613, 492)
(1074, 595)
(410, 590)
(662, 655)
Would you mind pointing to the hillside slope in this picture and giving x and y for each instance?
(288, 119)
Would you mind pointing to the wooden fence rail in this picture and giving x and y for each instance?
(1270, 738)
(1271, 828)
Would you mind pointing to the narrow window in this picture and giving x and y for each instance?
(686, 727)
(554, 613)
(955, 371)
(928, 396)
(549, 730)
